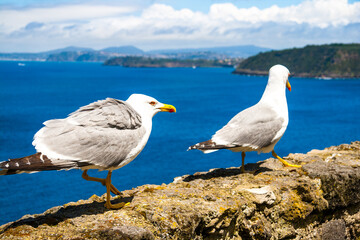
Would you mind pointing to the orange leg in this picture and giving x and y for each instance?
(243, 162)
(108, 204)
(100, 180)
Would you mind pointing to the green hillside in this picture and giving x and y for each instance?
(334, 60)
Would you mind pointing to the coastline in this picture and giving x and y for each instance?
(295, 74)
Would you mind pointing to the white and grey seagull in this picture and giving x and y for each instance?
(104, 135)
(257, 128)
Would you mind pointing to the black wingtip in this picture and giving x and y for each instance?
(207, 145)
(9, 172)
(4, 172)
(191, 147)
(33, 163)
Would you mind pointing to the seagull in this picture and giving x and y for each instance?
(104, 135)
(257, 128)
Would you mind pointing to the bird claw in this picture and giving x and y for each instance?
(286, 164)
(109, 205)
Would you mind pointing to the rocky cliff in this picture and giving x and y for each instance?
(319, 201)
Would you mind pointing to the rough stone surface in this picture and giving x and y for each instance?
(321, 200)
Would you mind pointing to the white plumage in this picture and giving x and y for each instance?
(257, 128)
(104, 135)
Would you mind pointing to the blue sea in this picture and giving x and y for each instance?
(322, 113)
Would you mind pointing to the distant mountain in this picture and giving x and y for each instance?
(23, 56)
(323, 61)
(70, 49)
(41, 56)
(93, 56)
(243, 51)
(130, 50)
(73, 53)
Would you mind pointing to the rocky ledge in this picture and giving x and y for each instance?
(321, 200)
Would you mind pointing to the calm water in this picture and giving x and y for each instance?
(322, 113)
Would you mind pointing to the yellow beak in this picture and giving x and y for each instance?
(168, 108)
(288, 85)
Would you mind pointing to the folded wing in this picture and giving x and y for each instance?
(102, 133)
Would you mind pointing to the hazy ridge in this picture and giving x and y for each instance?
(90, 55)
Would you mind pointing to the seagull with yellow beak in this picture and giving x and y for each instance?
(104, 135)
(257, 128)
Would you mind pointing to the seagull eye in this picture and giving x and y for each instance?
(152, 103)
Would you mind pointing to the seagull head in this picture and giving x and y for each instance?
(280, 72)
(149, 106)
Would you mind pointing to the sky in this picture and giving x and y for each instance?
(41, 25)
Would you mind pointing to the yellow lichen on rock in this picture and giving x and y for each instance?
(320, 199)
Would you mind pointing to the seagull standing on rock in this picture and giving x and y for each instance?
(104, 135)
(257, 128)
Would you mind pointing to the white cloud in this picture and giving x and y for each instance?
(161, 26)
(317, 13)
(324, 13)
(12, 20)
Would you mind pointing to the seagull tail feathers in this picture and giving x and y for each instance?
(206, 147)
(34, 163)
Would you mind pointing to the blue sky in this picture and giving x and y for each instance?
(40, 25)
(202, 5)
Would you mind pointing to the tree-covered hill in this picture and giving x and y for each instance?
(334, 61)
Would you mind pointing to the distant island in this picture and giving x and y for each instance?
(323, 61)
(319, 61)
(131, 61)
(80, 54)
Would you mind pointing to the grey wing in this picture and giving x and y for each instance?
(107, 113)
(102, 133)
(254, 127)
